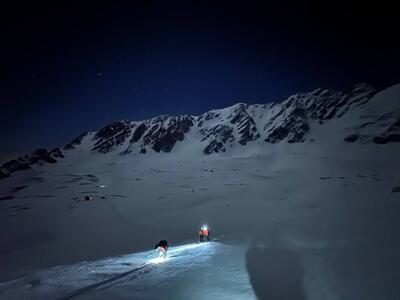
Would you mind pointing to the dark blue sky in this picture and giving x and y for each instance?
(68, 68)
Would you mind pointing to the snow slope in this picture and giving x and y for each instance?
(142, 276)
(313, 219)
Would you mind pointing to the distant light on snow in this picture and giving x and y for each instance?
(174, 251)
(102, 186)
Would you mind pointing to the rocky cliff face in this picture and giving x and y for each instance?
(113, 135)
(40, 156)
(292, 121)
(159, 134)
(241, 125)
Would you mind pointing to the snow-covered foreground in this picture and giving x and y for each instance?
(308, 190)
(309, 222)
(193, 271)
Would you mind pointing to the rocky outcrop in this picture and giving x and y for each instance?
(57, 153)
(75, 142)
(244, 123)
(160, 133)
(164, 135)
(293, 128)
(218, 137)
(14, 165)
(351, 138)
(291, 121)
(4, 173)
(327, 104)
(40, 156)
(113, 135)
(225, 127)
(382, 129)
(208, 116)
(140, 130)
(390, 135)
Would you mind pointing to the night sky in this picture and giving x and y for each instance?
(66, 69)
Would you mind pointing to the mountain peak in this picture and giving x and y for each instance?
(241, 124)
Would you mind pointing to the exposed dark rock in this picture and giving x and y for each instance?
(292, 120)
(208, 116)
(75, 142)
(388, 124)
(166, 142)
(40, 156)
(6, 198)
(220, 135)
(380, 140)
(57, 153)
(391, 135)
(215, 147)
(111, 136)
(396, 189)
(245, 124)
(294, 128)
(140, 130)
(298, 135)
(359, 95)
(16, 165)
(332, 177)
(165, 139)
(160, 133)
(391, 138)
(40, 153)
(111, 130)
(4, 173)
(395, 126)
(221, 132)
(352, 138)
(18, 188)
(277, 134)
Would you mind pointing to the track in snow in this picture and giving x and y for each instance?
(111, 280)
(188, 271)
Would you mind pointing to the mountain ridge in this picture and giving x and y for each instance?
(291, 121)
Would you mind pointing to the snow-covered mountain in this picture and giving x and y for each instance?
(361, 115)
(304, 194)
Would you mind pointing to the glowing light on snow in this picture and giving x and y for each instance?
(174, 252)
(190, 246)
(157, 260)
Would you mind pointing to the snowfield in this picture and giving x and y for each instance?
(143, 276)
(314, 220)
